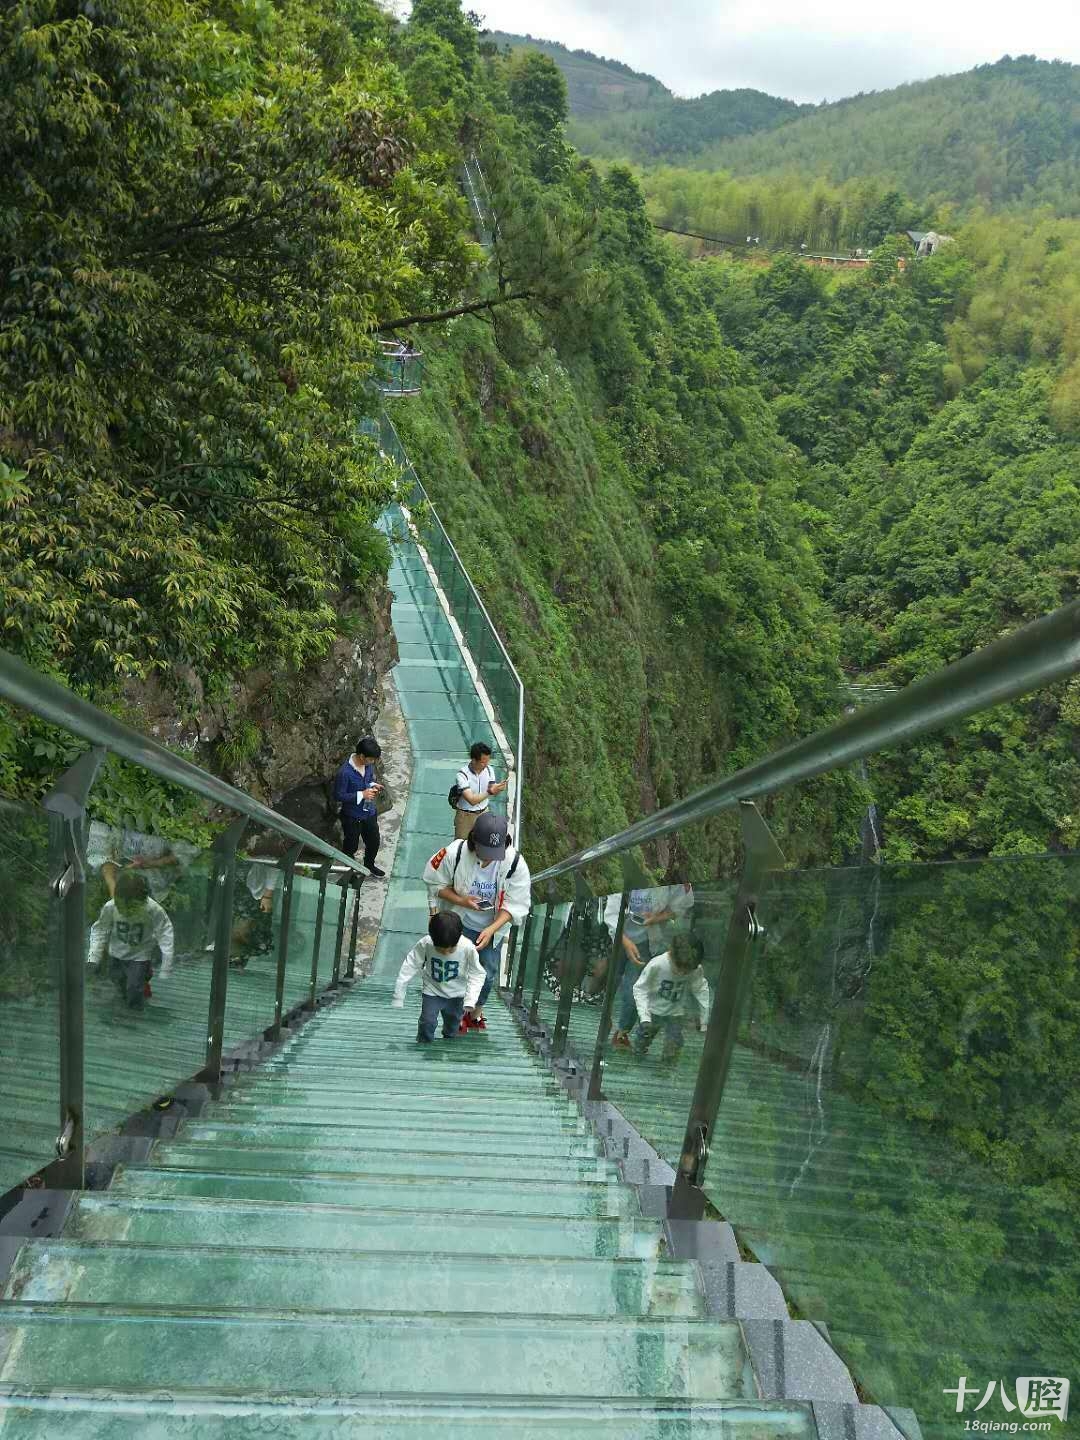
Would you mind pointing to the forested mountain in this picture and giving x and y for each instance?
(619, 113)
(1000, 135)
(594, 84)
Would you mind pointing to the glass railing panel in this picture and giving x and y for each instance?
(305, 914)
(673, 945)
(146, 1023)
(30, 992)
(256, 923)
(899, 1135)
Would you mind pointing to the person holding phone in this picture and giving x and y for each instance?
(357, 792)
(476, 783)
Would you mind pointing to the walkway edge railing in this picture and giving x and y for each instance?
(66, 807)
(50, 700)
(1039, 654)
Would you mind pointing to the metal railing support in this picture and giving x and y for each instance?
(224, 890)
(534, 1007)
(611, 989)
(519, 978)
(316, 944)
(343, 885)
(66, 806)
(733, 984)
(511, 956)
(287, 867)
(572, 966)
(356, 885)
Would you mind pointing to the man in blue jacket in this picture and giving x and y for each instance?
(356, 790)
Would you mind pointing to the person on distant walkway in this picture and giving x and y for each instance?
(356, 791)
(646, 929)
(476, 783)
(129, 929)
(452, 977)
(485, 882)
(660, 995)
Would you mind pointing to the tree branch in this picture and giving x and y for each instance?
(476, 308)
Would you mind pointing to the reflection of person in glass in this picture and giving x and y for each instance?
(650, 913)
(112, 849)
(662, 994)
(130, 928)
(253, 914)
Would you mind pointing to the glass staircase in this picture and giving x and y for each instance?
(360, 1236)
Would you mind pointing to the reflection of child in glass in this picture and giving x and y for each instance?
(129, 929)
(660, 991)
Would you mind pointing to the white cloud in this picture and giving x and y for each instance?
(791, 48)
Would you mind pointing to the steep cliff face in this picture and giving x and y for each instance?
(280, 737)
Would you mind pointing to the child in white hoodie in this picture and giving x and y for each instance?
(452, 977)
(129, 929)
(659, 995)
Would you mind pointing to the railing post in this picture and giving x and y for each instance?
(324, 876)
(611, 989)
(224, 887)
(572, 966)
(534, 1008)
(287, 867)
(67, 802)
(356, 884)
(733, 985)
(343, 885)
(511, 955)
(519, 978)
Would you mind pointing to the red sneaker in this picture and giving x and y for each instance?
(463, 1028)
(620, 1040)
(479, 1023)
(147, 992)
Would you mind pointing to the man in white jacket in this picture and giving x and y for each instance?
(129, 929)
(661, 991)
(485, 882)
(452, 977)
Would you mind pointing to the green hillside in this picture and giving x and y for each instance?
(619, 113)
(594, 84)
(1001, 135)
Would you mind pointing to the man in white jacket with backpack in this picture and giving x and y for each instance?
(485, 882)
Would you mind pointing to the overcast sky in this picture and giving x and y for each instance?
(795, 48)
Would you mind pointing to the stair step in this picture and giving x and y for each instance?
(443, 1195)
(390, 1139)
(307, 1159)
(305, 1279)
(148, 1417)
(269, 1094)
(390, 1116)
(117, 1347)
(266, 1225)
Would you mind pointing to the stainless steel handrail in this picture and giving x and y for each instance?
(51, 701)
(1038, 654)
